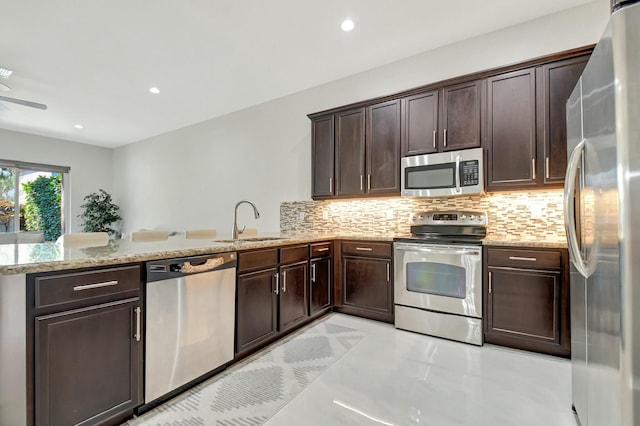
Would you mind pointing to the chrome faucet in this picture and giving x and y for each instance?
(237, 231)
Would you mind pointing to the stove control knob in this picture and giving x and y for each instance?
(471, 217)
(420, 217)
(463, 217)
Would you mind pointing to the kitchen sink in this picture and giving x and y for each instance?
(250, 240)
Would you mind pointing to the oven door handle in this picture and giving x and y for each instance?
(438, 250)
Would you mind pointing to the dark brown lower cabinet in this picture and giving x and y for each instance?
(367, 280)
(257, 309)
(86, 366)
(85, 337)
(526, 300)
(293, 295)
(320, 285)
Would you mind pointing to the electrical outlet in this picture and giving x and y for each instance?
(390, 214)
(325, 215)
(301, 216)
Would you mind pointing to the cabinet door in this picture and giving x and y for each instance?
(461, 106)
(350, 152)
(367, 286)
(383, 148)
(558, 80)
(322, 157)
(293, 295)
(88, 364)
(420, 124)
(511, 130)
(524, 309)
(256, 316)
(320, 285)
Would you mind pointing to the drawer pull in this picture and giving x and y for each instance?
(96, 285)
(528, 259)
(323, 249)
(313, 273)
(490, 282)
(277, 290)
(284, 281)
(138, 314)
(364, 249)
(388, 273)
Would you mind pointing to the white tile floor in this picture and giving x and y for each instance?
(394, 377)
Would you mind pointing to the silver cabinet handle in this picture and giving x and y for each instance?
(388, 272)
(96, 285)
(364, 249)
(284, 281)
(529, 259)
(533, 167)
(330, 185)
(361, 185)
(138, 311)
(445, 137)
(277, 277)
(313, 273)
(546, 167)
(490, 282)
(434, 139)
(323, 249)
(368, 182)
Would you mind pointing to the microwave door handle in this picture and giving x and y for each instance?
(458, 189)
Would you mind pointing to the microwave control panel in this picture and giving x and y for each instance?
(470, 172)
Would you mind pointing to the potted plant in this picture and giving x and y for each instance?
(99, 213)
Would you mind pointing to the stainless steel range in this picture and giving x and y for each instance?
(438, 275)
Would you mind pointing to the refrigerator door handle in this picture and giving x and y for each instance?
(569, 216)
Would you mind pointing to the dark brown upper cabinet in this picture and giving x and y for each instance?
(461, 105)
(420, 124)
(526, 132)
(367, 152)
(511, 130)
(442, 120)
(558, 80)
(350, 146)
(383, 148)
(322, 157)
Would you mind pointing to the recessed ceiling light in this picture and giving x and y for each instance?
(347, 25)
(5, 73)
(78, 126)
(154, 90)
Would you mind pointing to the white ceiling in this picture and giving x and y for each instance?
(93, 62)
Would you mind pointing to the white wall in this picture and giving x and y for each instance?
(192, 177)
(91, 166)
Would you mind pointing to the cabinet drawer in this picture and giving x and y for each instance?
(321, 249)
(366, 248)
(257, 259)
(532, 259)
(59, 289)
(294, 254)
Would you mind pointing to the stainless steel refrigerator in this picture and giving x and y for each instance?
(602, 217)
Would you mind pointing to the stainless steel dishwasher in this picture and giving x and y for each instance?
(189, 320)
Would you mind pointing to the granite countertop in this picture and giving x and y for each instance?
(43, 257)
(545, 242)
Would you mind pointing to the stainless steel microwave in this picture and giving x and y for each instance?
(443, 174)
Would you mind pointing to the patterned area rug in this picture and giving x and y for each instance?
(252, 391)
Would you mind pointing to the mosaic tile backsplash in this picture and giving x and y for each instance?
(532, 215)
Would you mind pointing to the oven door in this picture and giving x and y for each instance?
(443, 278)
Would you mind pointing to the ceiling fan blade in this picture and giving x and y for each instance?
(23, 102)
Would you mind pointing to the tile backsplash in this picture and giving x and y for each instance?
(530, 215)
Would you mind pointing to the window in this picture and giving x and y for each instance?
(31, 198)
